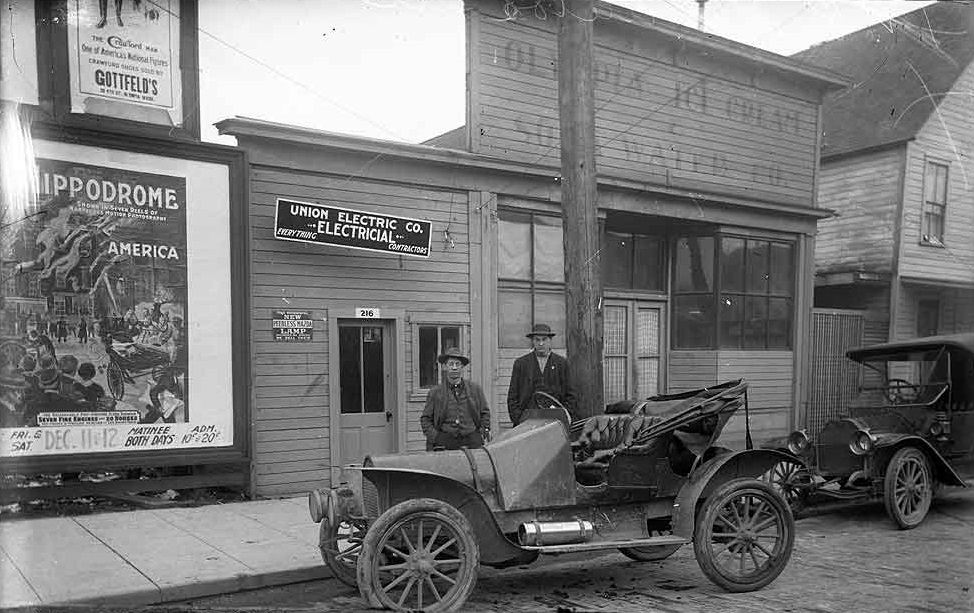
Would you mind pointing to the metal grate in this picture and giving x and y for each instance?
(370, 499)
(834, 380)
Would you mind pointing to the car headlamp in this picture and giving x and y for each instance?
(797, 442)
(316, 505)
(862, 443)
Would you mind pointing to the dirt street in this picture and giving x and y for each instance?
(848, 560)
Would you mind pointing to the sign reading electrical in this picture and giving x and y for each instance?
(322, 224)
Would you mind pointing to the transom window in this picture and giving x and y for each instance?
(633, 261)
(750, 304)
(934, 203)
(531, 276)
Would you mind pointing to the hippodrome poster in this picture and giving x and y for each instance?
(95, 320)
(124, 59)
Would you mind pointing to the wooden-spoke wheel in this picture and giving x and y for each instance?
(908, 489)
(651, 554)
(791, 479)
(744, 535)
(340, 543)
(420, 555)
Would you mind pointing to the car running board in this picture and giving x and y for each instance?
(655, 541)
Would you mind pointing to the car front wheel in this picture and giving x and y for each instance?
(420, 555)
(908, 488)
(744, 535)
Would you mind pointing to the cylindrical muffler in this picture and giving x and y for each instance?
(538, 533)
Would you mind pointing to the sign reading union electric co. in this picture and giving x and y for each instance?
(324, 224)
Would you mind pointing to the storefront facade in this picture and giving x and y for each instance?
(707, 160)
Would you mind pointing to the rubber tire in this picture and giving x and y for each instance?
(708, 514)
(649, 554)
(893, 469)
(455, 597)
(343, 572)
(116, 381)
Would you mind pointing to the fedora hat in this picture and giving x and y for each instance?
(453, 352)
(540, 330)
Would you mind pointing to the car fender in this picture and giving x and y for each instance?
(396, 485)
(714, 472)
(893, 441)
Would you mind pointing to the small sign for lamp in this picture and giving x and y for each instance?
(292, 326)
(308, 222)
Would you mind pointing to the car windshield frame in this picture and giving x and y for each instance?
(928, 391)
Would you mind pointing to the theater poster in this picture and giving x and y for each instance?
(124, 59)
(116, 307)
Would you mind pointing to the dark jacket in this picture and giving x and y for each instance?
(435, 410)
(527, 378)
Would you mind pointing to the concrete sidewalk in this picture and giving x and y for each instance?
(160, 555)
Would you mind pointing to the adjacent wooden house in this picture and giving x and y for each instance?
(898, 169)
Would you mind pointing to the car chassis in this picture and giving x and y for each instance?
(645, 478)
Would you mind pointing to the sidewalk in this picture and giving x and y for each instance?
(159, 555)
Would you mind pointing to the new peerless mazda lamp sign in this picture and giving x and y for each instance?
(323, 224)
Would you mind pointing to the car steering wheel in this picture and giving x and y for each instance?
(544, 400)
(895, 391)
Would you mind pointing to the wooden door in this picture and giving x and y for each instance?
(368, 391)
(632, 350)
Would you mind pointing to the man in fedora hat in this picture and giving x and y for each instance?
(456, 413)
(541, 370)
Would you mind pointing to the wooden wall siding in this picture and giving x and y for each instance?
(947, 137)
(863, 191)
(871, 300)
(660, 117)
(291, 414)
(687, 370)
(905, 325)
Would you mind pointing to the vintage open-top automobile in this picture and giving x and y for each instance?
(910, 430)
(645, 478)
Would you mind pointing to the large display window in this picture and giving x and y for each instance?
(116, 325)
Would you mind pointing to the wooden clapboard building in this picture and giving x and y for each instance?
(707, 154)
(896, 168)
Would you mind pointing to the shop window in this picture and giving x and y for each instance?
(531, 276)
(754, 293)
(694, 323)
(934, 204)
(431, 340)
(633, 261)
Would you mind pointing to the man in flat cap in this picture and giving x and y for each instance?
(456, 413)
(540, 370)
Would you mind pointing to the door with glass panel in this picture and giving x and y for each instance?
(632, 348)
(368, 391)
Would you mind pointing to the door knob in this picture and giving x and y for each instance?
(388, 415)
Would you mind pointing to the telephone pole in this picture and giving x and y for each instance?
(579, 190)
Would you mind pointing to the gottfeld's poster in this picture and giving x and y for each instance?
(94, 353)
(125, 59)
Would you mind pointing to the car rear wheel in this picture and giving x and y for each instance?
(908, 488)
(340, 543)
(744, 535)
(419, 555)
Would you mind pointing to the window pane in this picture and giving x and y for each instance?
(694, 322)
(428, 367)
(648, 270)
(549, 250)
(614, 330)
(550, 309)
(694, 264)
(928, 316)
(647, 331)
(350, 372)
(757, 267)
(449, 337)
(935, 183)
(731, 320)
(755, 322)
(513, 317)
(732, 264)
(617, 260)
(782, 269)
(373, 370)
(941, 184)
(513, 249)
(780, 315)
(614, 379)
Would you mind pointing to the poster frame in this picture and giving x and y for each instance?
(239, 452)
(54, 84)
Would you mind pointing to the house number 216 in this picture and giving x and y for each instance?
(366, 313)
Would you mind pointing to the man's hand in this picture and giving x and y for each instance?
(486, 435)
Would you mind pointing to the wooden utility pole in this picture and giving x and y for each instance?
(583, 286)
